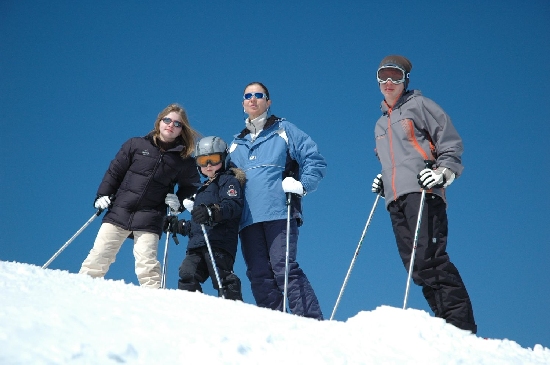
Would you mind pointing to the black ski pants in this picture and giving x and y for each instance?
(197, 267)
(433, 270)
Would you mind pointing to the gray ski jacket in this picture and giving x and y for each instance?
(414, 130)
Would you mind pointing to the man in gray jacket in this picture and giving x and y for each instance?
(419, 148)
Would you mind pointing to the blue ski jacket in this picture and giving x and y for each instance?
(279, 150)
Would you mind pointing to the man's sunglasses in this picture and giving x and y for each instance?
(249, 96)
(167, 121)
(390, 73)
(213, 159)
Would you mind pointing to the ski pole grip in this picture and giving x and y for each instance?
(429, 163)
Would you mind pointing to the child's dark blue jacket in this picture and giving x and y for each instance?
(225, 191)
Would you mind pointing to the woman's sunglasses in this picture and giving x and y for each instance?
(167, 121)
(249, 96)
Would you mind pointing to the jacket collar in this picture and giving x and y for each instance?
(406, 96)
(269, 122)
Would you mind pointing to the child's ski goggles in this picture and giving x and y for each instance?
(391, 73)
(249, 96)
(213, 159)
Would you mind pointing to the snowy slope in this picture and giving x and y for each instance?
(54, 317)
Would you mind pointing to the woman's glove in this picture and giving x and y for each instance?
(291, 185)
(102, 202)
(173, 202)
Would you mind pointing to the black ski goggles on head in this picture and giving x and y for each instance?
(391, 73)
(213, 159)
(249, 96)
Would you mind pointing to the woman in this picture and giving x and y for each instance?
(277, 158)
(134, 189)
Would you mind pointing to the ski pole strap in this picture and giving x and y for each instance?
(175, 237)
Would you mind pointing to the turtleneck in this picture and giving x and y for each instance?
(256, 125)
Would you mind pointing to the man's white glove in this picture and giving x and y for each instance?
(173, 202)
(102, 202)
(438, 178)
(291, 185)
(188, 204)
(378, 185)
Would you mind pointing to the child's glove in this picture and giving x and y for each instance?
(188, 204)
(206, 215)
(170, 224)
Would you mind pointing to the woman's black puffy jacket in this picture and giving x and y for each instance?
(139, 178)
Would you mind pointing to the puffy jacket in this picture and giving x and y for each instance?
(280, 149)
(139, 177)
(416, 129)
(225, 190)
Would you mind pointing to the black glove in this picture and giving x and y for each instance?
(206, 215)
(183, 227)
(201, 215)
(378, 185)
(170, 224)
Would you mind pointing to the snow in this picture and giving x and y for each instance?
(55, 317)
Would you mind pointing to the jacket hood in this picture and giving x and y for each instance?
(239, 175)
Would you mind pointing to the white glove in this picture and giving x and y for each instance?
(173, 202)
(378, 185)
(102, 202)
(438, 178)
(291, 185)
(188, 204)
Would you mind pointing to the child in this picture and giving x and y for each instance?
(217, 204)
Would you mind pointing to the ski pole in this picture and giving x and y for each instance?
(355, 255)
(165, 259)
(220, 289)
(96, 214)
(288, 197)
(429, 164)
(418, 221)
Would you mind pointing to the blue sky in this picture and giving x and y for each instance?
(77, 79)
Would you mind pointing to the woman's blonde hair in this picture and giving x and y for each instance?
(188, 134)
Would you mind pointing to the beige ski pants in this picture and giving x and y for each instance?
(107, 244)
